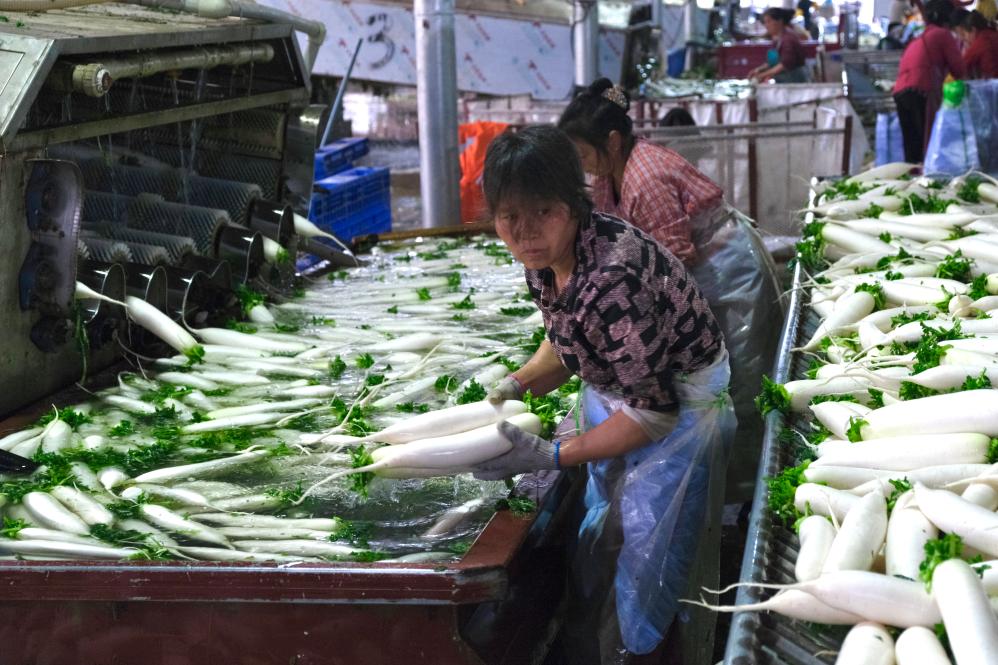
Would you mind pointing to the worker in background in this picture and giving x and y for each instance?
(899, 12)
(924, 65)
(804, 8)
(785, 62)
(980, 57)
(658, 191)
(622, 313)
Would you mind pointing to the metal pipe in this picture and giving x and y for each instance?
(585, 41)
(436, 96)
(334, 110)
(95, 79)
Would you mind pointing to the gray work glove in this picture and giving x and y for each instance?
(507, 388)
(529, 453)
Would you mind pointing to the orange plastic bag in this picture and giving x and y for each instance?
(475, 138)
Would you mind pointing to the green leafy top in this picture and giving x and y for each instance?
(848, 189)
(873, 211)
(532, 343)
(900, 487)
(248, 298)
(876, 397)
(68, 415)
(977, 382)
(466, 303)
(915, 204)
(475, 392)
(854, 433)
(424, 294)
(875, 290)
(900, 319)
(336, 367)
(954, 266)
(782, 490)
(11, 527)
(241, 326)
(930, 351)
(549, 408)
(360, 457)
(365, 360)
(517, 505)
(944, 548)
(978, 288)
(811, 247)
(774, 397)
(445, 383)
(517, 311)
(968, 190)
(847, 397)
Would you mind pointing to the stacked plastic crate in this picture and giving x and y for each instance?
(349, 200)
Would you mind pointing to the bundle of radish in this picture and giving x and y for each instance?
(214, 457)
(888, 434)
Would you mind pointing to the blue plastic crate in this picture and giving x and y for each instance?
(348, 193)
(339, 156)
(374, 218)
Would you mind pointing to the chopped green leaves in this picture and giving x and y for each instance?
(365, 360)
(475, 392)
(782, 491)
(854, 433)
(774, 397)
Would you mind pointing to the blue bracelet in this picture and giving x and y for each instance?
(557, 454)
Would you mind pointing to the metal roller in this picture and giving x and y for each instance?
(243, 249)
(177, 247)
(150, 255)
(103, 319)
(108, 251)
(151, 213)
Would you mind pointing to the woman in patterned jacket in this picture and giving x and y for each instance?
(623, 314)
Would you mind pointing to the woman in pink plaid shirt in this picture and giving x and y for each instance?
(658, 191)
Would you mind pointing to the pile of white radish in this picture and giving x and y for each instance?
(896, 430)
(233, 449)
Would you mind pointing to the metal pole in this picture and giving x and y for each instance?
(334, 110)
(585, 38)
(436, 96)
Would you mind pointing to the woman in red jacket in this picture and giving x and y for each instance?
(918, 90)
(981, 57)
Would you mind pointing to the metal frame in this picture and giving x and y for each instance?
(756, 638)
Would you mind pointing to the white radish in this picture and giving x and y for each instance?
(219, 554)
(447, 421)
(454, 451)
(981, 494)
(46, 511)
(57, 436)
(201, 469)
(794, 604)
(907, 532)
(906, 453)
(83, 505)
(8, 442)
(130, 405)
(853, 241)
(165, 518)
(266, 407)
(890, 171)
(847, 477)
(967, 615)
(260, 314)
(452, 518)
(245, 420)
(837, 416)
(860, 536)
(920, 646)
(969, 411)
(276, 533)
(413, 342)
(816, 534)
(866, 643)
(268, 521)
(162, 326)
(233, 378)
(40, 533)
(187, 379)
(977, 526)
(824, 501)
(84, 292)
(804, 390)
(64, 550)
(410, 391)
(110, 477)
(297, 547)
(227, 337)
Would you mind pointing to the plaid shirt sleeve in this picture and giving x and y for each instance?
(661, 192)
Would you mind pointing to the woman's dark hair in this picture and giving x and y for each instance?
(779, 14)
(537, 163)
(957, 17)
(975, 21)
(937, 12)
(590, 117)
(678, 117)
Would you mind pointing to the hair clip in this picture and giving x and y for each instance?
(616, 95)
